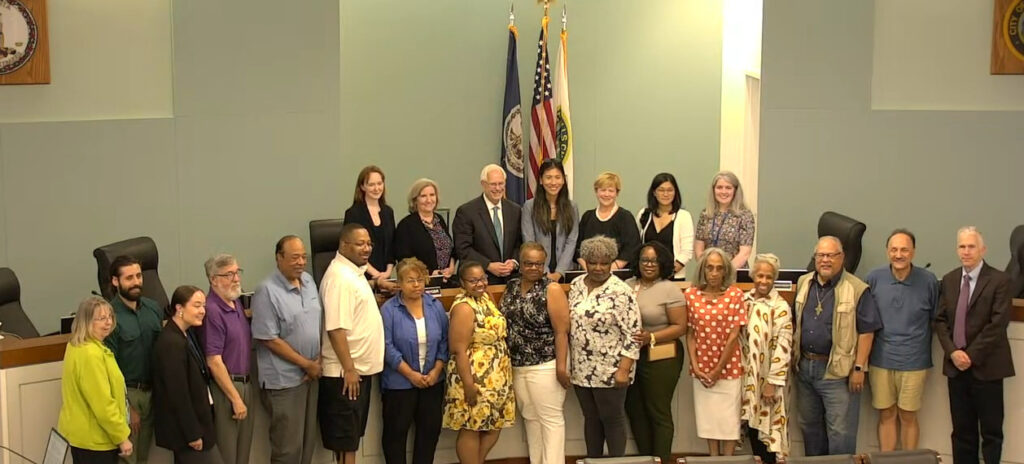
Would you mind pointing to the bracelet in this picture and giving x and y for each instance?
(653, 340)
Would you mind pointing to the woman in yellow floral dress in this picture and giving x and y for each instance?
(479, 401)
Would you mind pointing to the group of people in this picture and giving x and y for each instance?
(619, 344)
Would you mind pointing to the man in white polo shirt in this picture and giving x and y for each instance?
(353, 345)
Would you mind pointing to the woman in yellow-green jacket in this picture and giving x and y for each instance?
(94, 415)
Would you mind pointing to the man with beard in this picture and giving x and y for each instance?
(353, 345)
(228, 346)
(836, 319)
(138, 324)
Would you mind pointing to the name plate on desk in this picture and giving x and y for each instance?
(433, 291)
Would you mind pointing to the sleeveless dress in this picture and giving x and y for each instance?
(491, 366)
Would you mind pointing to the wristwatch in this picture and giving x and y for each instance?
(859, 368)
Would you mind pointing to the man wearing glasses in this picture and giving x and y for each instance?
(836, 317)
(286, 316)
(353, 344)
(227, 341)
(487, 229)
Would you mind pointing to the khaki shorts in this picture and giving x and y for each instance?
(901, 388)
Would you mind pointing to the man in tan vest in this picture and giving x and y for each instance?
(836, 318)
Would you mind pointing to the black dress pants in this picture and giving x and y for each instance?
(403, 408)
(84, 456)
(976, 405)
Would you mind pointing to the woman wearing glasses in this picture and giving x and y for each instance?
(663, 318)
(415, 354)
(726, 221)
(94, 411)
(479, 401)
(665, 221)
(538, 340)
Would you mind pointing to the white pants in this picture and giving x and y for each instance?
(540, 398)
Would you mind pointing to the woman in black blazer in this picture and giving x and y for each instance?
(370, 210)
(181, 384)
(423, 234)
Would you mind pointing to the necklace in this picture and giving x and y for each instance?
(817, 295)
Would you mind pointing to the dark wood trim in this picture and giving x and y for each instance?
(16, 352)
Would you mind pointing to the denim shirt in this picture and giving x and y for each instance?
(401, 343)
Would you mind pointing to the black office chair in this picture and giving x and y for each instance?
(741, 459)
(323, 243)
(849, 231)
(12, 315)
(1015, 268)
(142, 249)
(919, 456)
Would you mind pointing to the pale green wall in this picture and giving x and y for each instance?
(824, 148)
(275, 110)
(422, 87)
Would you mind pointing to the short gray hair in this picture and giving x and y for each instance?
(218, 262)
(599, 247)
(769, 259)
(832, 238)
(730, 270)
(491, 167)
(970, 230)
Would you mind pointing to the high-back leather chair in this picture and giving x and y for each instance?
(12, 315)
(142, 249)
(1015, 268)
(849, 231)
(741, 459)
(919, 456)
(323, 243)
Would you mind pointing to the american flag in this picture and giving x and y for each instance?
(542, 119)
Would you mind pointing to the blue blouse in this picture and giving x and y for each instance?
(401, 343)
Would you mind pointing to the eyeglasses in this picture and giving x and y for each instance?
(533, 264)
(648, 262)
(231, 275)
(821, 256)
(481, 280)
(420, 281)
(106, 318)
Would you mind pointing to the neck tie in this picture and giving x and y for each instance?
(960, 324)
(498, 230)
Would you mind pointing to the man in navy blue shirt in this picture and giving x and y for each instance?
(901, 355)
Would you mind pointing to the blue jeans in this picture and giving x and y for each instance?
(829, 412)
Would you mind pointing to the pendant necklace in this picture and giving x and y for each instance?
(817, 294)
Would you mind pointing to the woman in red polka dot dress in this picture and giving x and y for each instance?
(716, 311)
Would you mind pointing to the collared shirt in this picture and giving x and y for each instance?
(974, 273)
(401, 342)
(133, 337)
(906, 308)
(490, 210)
(531, 337)
(349, 304)
(816, 330)
(602, 322)
(282, 310)
(226, 333)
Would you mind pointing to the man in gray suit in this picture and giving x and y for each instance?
(486, 228)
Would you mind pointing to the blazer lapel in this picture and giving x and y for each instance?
(490, 224)
(983, 279)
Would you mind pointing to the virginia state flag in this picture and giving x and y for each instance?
(563, 126)
(512, 127)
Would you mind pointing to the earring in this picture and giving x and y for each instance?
(180, 315)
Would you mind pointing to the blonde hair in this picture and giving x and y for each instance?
(492, 167)
(408, 265)
(87, 310)
(418, 187)
(737, 205)
(608, 179)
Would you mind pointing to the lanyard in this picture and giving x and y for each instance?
(717, 228)
(195, 352)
